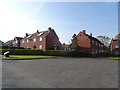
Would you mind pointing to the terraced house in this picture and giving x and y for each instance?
(88, 43)
(44, 40)
(16, 42)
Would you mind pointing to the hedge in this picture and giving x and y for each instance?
(23, 52)
(56, 53)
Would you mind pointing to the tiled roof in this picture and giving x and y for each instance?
(18, 38)
(93, 38)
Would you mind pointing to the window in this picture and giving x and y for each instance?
(102, 50)
(40, 47)
(116, 46)
(92, 50)
(96, 51)
(34, 39)
(99, 50)
(40, 38)
(13, 42)
(16, 41)
(27, 40)
(93, 42)
(22, 41)
(96, 43)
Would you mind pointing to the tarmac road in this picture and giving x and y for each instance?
(60, 73)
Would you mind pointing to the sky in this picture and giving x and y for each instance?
(66, 18)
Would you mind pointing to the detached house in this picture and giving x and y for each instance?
(44, 40)
(88, 43)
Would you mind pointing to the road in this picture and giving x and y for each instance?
(60, 73)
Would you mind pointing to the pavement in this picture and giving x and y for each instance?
(60, 73)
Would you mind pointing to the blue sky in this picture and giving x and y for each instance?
(67, 18)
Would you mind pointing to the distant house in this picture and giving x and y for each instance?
(9, 43)
(88, 43)
(66, 47)
(3, 45)
(16, 42)
(44, 40)
(115, 46)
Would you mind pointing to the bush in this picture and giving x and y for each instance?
(56, 53)
(102, 54)
(23, 52)
(70, 53)
(79, 54)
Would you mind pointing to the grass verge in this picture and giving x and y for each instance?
(27, 57)
(114, 58)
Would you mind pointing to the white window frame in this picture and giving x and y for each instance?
(116, 46)
(40, 38)
(22, 41)
(34, 39)
(40, 47)
(16, 41)
(27, 40)
(96, 51)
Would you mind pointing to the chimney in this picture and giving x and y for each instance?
(91, 34)
(27, 34)
(37, 31)
(84, 31)
(49, 28)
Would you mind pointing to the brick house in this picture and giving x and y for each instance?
(44, 40)
(88, 43)
(115, 46)
(16, 41)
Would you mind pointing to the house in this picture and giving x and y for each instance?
(44, 40)
(3, 45)
(115, 46)
(88, 43)
(9, 43)
(66, 47)
(16, 42)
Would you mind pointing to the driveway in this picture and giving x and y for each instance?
(60, 73)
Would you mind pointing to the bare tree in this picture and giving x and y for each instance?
(104, 39)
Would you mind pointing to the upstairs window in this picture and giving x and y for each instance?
(34, 39)
(96, 43)
(40, 38)
(22, 41)
(116, 46)
(16, 41)
(27, 40)
(92, 42)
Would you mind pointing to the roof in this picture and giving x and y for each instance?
(18, 38)
(2, 43)
(37, 34)
(93, 38)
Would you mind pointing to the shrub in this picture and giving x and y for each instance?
(102, 54)
(56, 53)
(79, 54)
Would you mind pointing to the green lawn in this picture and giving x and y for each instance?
(25, 57)
(114, 58)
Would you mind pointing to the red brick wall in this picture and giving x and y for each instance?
(112, 47)
(83, 41)
(52, 40)
(86, 44)
(16, 44)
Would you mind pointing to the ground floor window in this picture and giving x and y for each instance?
(40, 47)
